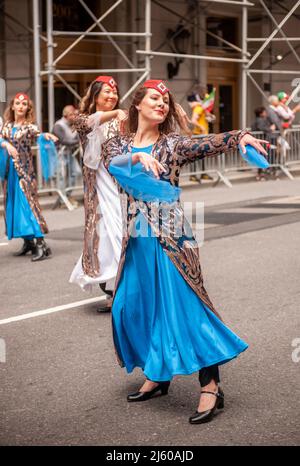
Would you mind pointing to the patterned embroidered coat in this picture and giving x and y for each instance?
(90, 262)
(173, 152)
(24, 138)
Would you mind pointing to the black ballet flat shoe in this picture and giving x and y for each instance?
(105, 307)
(28, 246)
(206, 416)
(163, 387)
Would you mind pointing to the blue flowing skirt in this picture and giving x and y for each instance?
(20, 220)
(159, 323)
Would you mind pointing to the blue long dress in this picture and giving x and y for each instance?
(159, 323)
(19, 218)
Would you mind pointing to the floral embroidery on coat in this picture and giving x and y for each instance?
(90, 262)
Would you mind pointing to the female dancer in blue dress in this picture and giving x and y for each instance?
(163, 319)
(23, 217)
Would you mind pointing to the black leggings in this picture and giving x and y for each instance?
(103, 288)
(207, 374)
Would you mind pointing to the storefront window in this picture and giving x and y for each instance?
(225, 28)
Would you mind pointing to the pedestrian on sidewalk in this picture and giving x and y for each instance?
(68, 139)
(276, 136)
(263, 124)
(200, 119)
(163, 319)
(23, 216)
(286, 114)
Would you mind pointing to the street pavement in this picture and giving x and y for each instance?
(61, 384)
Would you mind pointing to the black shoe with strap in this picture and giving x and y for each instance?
(206, 416)
(162, 387)
(28, 246)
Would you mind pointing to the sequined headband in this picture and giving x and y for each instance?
(107, 80)
(156, 84)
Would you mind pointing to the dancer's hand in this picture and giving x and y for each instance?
(122, 115)
(252, 141)
(12, 151)
(50, 137)
(150, 163)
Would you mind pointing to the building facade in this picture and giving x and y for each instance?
(212, 29)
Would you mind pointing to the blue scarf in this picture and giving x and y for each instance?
(48, 157)
(3, 160)
(253, 157)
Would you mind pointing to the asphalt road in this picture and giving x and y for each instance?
(61, 384)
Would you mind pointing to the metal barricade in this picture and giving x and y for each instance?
(69, 171)
(62, 183)
(65, 179)
(292, 154)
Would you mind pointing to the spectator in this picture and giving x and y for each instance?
(286, 114)
(275, 120)
(262, 123)
(272, 112)
(68, 143)
(200, 123)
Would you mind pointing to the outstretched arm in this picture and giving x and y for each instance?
(107, 116)
(189, 150)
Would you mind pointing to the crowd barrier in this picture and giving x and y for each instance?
(292, 156)
(68, 178)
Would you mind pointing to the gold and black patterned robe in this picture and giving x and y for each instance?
(90, 262)
(173, 152)
(24, 138)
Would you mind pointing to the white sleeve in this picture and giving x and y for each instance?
(92, 153)
(282, 112)
(94, 120)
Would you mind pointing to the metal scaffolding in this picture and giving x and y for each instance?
(248, 69)
(54, 71)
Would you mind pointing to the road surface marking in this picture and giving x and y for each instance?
(50, 310)
(284, 200)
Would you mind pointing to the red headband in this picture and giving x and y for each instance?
(21, 96)
(107, 80)
(156, 84)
